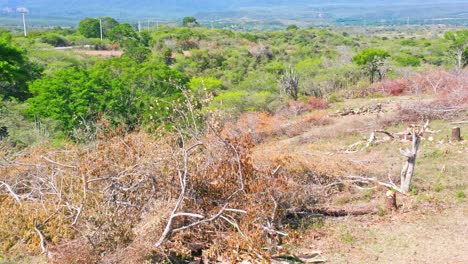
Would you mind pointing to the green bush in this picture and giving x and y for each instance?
(205, 83)
(19, 130)
(54, 40)
(120, 89)
(407, 60)
(15, 69)
(408, 42)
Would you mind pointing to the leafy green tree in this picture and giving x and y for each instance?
(121, 89)
(134, 47)
(89, 28)
(122, 33)
(145, 38)
(136, 51)
(108, 23)
(15, 69)
(67, 95)
(189, 22)
(130, 89)
(458, 43)
(292, 27)
(372, 60)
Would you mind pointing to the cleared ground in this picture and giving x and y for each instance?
(431, 225)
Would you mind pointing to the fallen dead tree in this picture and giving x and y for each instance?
(416, 133)
(330, 212)
(377, 108)
(403, 136)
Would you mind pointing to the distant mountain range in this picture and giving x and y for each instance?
(339, 11)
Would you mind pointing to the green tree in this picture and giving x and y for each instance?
(122, 33)
(130, 90)
(136, 51)
(67, 95)
(372, 61)
(121, 89)
(189, 22)
(89, 28)
(134, 47)
(292, 27)
(108, 23)
(15, 69)
(145, 38)
(458, 43)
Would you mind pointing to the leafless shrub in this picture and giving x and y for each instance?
(451, 101)
(260, 51)
(108, 202)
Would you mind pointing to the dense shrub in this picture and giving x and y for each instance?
(15, 69)
(118, 89)
(54, 40)
(407, 60)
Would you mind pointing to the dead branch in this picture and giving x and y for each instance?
(57, 163)
(366, 180)
(10, 190)
(37, 228)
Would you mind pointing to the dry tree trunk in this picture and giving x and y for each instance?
(390, 201)
(408, 169)
(456, 134)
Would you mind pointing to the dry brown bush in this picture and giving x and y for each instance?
(260, 126)
(390, 87)
(317, 118)
(451, 91)
(318, 103)
(299, 107)
(109, 202)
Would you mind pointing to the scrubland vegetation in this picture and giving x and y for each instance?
(213, 145)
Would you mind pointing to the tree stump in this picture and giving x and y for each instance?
(390, 201)
(456, 134)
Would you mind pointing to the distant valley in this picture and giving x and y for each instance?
(274, 12)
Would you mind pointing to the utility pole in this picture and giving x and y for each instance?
(24, 24)
(100, 27)
(139, 26)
